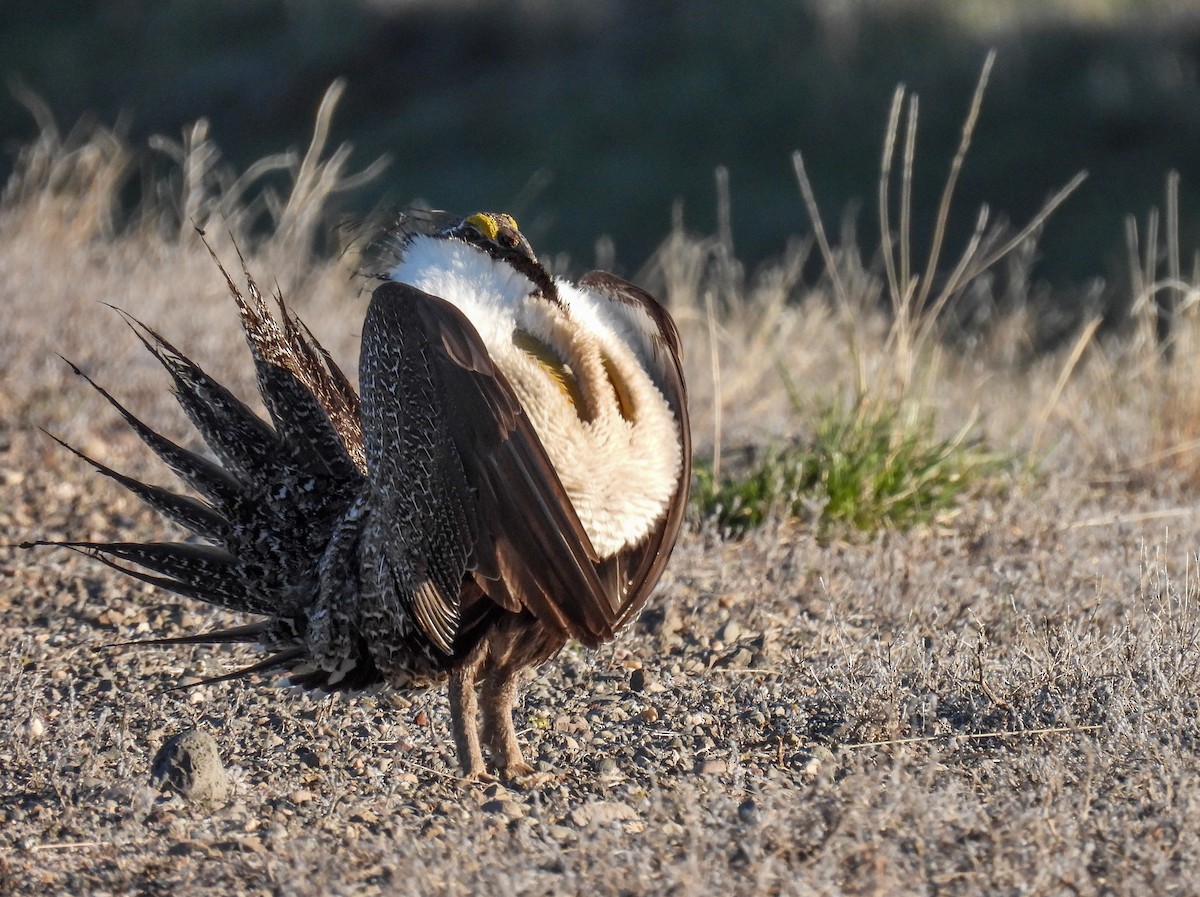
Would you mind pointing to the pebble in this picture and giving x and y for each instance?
(711, 767)
(821, 764)
(35, 728)
(184, 848)
(602, 812)
(748, 811)
(637, 680)
(190, 763)
(739, 658)
(509, 809)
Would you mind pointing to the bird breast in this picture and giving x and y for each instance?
(607, 429)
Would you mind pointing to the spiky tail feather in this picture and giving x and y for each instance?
(270, 508)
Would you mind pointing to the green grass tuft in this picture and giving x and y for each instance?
(866, 467)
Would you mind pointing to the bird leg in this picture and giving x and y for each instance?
(499, 695)
(464, 722)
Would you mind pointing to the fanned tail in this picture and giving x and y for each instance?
(267, 508)
(278, 662)
(311, 402)
(205, 572)
(248, 633)
(243, 442)
(189, 512)
(208, 478)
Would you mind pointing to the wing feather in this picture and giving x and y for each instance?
(527, 549)
(637, 570)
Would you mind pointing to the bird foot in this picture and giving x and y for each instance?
(514, 770)
(480, 777)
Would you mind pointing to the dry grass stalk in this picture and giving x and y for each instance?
(68, 184)
(975, 736)
(315, 180)
(208, 193)
(1162, 355)
(916, 310)
(1078, 348)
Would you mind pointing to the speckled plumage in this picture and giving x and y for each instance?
(513, 476)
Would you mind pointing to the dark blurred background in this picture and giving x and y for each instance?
(594, 118)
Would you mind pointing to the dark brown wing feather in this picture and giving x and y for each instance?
(638, 569)
(528, 549)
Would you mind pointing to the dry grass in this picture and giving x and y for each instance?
(1164, 330)
(1004, 702)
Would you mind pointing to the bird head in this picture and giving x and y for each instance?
(496, 233)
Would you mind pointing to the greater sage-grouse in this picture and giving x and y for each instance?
(513, 475)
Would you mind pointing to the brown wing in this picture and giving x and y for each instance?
(636, 571)
(527, 548)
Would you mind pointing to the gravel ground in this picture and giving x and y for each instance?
(1003, 705)
(1006, 706)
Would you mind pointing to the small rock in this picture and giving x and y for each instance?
(186, 848)
(602, 812)
(662, 621)
(35, 729)
(637, 680)
(730, 632)
(711, 767)
(738, 658)
(509, 809)
(190, 764)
